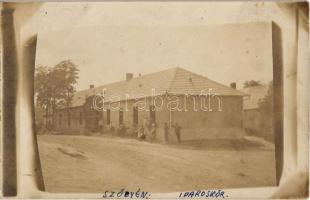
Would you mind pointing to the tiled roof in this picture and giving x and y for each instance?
(254, 95)
(173, 81)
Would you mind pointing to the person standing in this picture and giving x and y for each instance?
(140, 134)
(166, 131)
(153, 131)
(146, 126)
(177, 130)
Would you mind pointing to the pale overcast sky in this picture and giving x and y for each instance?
(226, 53)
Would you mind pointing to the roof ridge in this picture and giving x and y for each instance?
(176, 70)
(134, 78)
(173, 78)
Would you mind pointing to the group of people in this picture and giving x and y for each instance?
(177, 130)
(148, 130)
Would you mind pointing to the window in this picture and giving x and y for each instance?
(121, 116)
(152, 113)
(247, 97)
(81, 118)
(60, 116)
(135, 115)
(69, 119)
(96, 121)
(108, 116)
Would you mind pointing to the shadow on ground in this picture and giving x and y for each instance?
(220, 144)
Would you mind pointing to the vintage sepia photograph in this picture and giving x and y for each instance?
(154, 100)
(161, 108)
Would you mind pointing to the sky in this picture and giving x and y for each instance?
(104, 52)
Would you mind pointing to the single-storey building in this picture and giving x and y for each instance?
(256, 121)
(202, 107)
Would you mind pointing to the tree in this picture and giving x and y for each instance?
(251, 83)
(43, 89)
(55, 86)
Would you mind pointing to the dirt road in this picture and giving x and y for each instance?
(96, 164)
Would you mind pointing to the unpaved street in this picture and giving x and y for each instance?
(95, 164)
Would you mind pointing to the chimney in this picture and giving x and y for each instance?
(129, 76)
(91, 86)
(233, 85)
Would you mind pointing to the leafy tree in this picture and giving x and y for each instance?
(266, 103)
(55, 86)
(43, 89)
(251, 83)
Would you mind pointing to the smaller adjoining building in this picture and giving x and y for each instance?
(257, 122)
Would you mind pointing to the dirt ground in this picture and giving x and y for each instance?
(96, 164)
